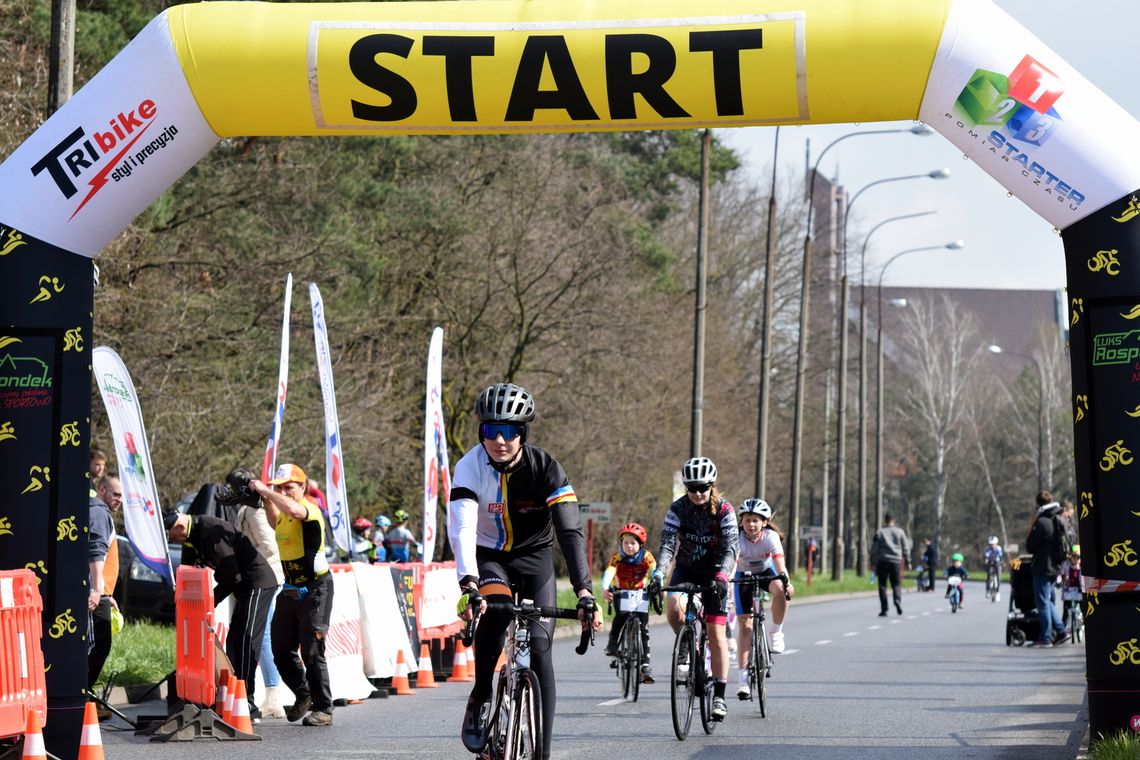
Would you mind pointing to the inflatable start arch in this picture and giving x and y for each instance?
(199, 73)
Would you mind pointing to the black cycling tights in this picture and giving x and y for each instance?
(531, 575)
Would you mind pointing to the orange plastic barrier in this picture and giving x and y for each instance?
(194, 636)
(22, 687)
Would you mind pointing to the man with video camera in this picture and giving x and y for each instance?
(239, 569)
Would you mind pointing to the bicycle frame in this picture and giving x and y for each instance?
(698, 682)
(760, 655)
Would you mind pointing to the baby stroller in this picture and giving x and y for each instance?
(1022, 623)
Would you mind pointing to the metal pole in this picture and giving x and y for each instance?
(861, 566)
(879, 417)
(699, 317)
(61, 56)
(840, 555)
(766, 355)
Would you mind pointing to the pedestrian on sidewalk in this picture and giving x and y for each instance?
(889, 552)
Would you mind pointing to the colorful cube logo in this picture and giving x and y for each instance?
(1022, 102)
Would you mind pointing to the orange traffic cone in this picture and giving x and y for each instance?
(223, 685)
(400, 680)
(425, 678)
(91, 740)
(228, 709)
(459, 663)
(34, 738)
(239, 718)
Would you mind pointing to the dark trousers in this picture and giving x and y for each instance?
(247, 629)
(303, 624)
(930, 569)
(99, 633)
(620, 619)
(887, 570)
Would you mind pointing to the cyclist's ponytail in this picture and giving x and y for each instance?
(772, 526)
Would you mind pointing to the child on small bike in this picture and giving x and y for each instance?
(761, 553)
(956, 569)
(629, 568)
(1072, 585)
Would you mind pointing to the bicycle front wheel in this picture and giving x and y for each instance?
(524, 740)
(704, 685)
(636, 658)
(628, 666)
(760, 663)
(500, 718)
(681, 684)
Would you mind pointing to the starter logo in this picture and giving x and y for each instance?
(1018, 112)
(103, 155)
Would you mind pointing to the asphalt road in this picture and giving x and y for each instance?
(851, 685)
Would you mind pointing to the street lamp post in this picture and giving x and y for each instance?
(766, 350)
(952, 246)
(801, 352)
(841, 520)
(1044, 437)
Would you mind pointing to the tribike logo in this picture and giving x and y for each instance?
(1116, 348)
(116, 388)
(102, 154)
(23, 372)
(1125, 652)
(1018, 111)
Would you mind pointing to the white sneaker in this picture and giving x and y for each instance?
(270, 706)
(997, 597)
(743, 692)
(777, 646)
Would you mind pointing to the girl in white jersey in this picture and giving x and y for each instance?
(761, 553)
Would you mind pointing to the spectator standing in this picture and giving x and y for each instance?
(889, 551)
(103, 564)
(929, 560)
(239, 569)
(254, 525)
(1047, 543)
(401, 540)
(304, 605)
(96, 469)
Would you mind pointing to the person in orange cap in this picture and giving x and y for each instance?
(304, 606)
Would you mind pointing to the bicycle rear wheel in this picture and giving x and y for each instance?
(760, 663)
(681, 686)
(705, 685)
(524, 739)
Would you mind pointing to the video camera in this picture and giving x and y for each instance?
(236, 489)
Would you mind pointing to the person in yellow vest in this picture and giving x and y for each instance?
(304, 606)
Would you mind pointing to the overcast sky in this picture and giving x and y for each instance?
(1007, 245)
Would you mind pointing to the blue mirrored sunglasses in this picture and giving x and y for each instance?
(509, 430)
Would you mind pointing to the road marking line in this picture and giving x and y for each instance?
(895, 622)
(874, 627)
(913, 617)
(821, 642)
(851, 633)
(788, 651)
(612, 702)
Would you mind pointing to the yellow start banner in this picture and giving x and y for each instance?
(547, 65)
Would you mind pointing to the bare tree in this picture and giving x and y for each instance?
(940, 351)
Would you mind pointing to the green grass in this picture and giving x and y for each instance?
(1121, 746)
(142, 653)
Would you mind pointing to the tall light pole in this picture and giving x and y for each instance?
(841, 432)
(1044, 434)
(696, 427)
(766, 350)
(955, 245)
(801, 352)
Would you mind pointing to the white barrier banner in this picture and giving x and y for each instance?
(440, 596)
(344, 642)
(141, 511)
(383, 628)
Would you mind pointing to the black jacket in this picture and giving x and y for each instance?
(236, 563)
(1043, 540)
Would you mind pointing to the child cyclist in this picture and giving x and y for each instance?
(761, 553)
(956, 569)
(993, 556)
(630, 568)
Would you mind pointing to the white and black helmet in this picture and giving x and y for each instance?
(698, 471)
(993, 540)
(757, 507)
(504, 402)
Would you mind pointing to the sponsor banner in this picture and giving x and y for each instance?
(404, 580)
(141, 510)
(1112, 661)
(1027, 118)
(1104, 321)
(101, 159)
(334, 458)
(269, 461)
(439, 596)
(436, 469)
(461, 67)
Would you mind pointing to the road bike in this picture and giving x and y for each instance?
(955, 592)
(695, 683)
(631, 655)
(993, 581)
(759, 653)
(515, 728)
(1072, 597)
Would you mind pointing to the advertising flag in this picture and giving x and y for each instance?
(269, 461)
(334, 459)
(141, 511)
(435, 443)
